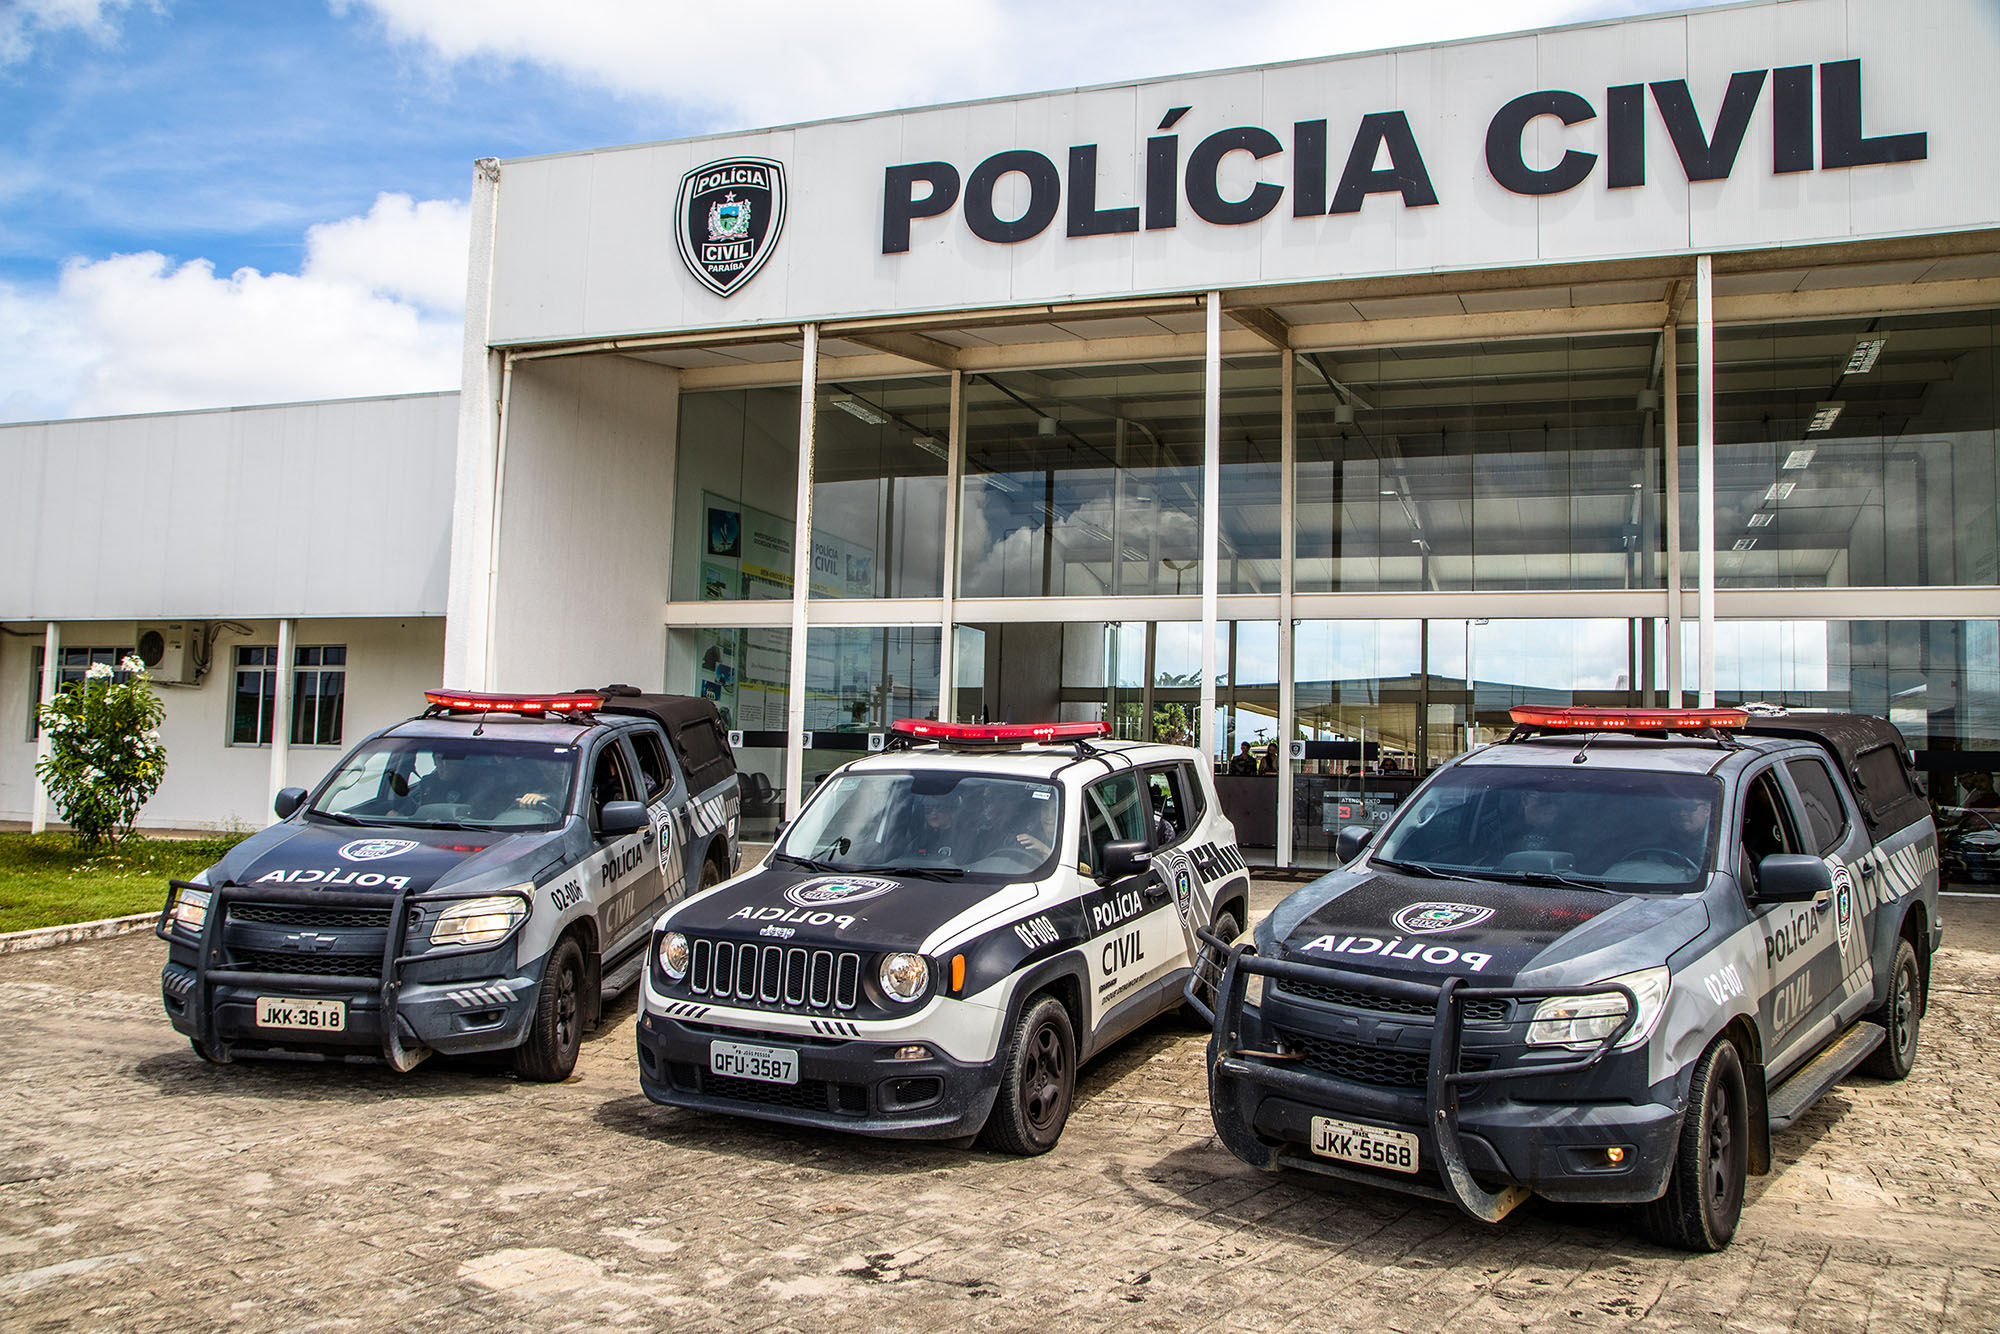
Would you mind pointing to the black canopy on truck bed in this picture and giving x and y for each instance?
(1870, 751)
(693, 726)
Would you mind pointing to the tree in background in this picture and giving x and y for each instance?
(105, 759)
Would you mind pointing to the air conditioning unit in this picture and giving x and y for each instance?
(173, 651)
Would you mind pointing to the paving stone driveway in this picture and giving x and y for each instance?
(140, 1189)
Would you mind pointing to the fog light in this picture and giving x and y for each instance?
(1614, 1155)
(918, 1052)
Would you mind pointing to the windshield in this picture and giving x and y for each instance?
(478, 782)
(1609, 827)
(886, 821)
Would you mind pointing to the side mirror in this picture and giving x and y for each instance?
(621, 817)
(1126, 859)
(1791, 877)
(1352, 841)
(289, 800)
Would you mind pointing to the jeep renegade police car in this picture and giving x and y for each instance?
(1600, 961)
(945, 933)
(470, 880)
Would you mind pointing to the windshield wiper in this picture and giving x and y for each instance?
(1546, 879)
(807, 862)
(921, 872)
(1416, 869)
(336, 815)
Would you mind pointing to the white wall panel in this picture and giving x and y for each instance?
(309, 509)
(586, 241)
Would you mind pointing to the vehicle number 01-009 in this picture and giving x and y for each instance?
(1371, 1146)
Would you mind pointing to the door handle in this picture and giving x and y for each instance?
(1823, 903)
(1868, 870)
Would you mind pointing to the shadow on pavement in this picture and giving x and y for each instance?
(181, 1073)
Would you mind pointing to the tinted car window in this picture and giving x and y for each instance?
(1826, 819)
(1113, 813)
(655, 775)
(455, 780)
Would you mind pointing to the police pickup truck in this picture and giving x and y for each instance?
(474, 879)
(944, 934)
(1600, 961)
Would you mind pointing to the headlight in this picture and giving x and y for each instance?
(190, 910)
(480, 921)
(904, 976)
(1580, 1021)
(674, 952)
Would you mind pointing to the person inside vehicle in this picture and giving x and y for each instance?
(1979, 794)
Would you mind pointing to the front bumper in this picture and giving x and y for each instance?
(844, 1084)
(463, 999)
(1478, 1147)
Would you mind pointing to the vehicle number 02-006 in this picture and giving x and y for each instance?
(1371, 1146)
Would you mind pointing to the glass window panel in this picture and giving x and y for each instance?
(1083, 481)
(1252, 478)
(880, 454)
(735, 494)
(747, 673)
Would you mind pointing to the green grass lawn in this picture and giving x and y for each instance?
(46, 881)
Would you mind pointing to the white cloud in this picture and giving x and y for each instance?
(375, 309)
(788, 60)
(23, 22)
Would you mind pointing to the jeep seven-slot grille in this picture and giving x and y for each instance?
(775, 977)
(1385, 1067)
(1490, 1011)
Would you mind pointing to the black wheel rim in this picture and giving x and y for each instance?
(1903, 1017)
(1045, 1080)
(566, 1026)
(1725, 1146)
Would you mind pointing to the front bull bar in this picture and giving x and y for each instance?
(211, 967)
(1438, 1108)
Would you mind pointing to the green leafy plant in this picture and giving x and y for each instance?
(105, 759)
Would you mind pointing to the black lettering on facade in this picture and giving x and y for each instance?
(1204, 193)
(1791, 119)
(1309, 169)
(1841, 141)
(1709, 157)
(899, 207)
(1163, 176)
(1044, 195)
(1503, 143)
(1085, 217)
(1405, 175)
(1625, 136)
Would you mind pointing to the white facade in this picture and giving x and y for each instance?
(314, 524)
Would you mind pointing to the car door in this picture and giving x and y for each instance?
(1176, 805)
(1801, 975)
(666, 797)
(1133, 935)
(628, 871)
(1833, 830)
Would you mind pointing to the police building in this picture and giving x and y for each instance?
(1340, 404)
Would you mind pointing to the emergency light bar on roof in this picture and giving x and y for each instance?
(1536, 717)
(994, 734)
(473, 701)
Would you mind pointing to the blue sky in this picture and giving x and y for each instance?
(214, 202)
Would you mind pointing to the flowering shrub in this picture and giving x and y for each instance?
(105, 759)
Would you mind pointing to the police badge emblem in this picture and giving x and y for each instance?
(729, 218)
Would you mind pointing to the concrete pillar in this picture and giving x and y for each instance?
(51, 673)
(281, 710)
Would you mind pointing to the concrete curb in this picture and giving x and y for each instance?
(48, 937)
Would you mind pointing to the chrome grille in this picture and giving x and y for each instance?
(790, 977)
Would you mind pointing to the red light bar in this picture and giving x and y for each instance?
(1629, 720)
(996, 734)
(473, 701)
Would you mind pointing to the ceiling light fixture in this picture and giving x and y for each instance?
(1824, 416)
(1343, 414)
(860, 407)
(1045, 426)
(1745, 543)
(1862, 360)
(1780, 491)
(930, 446)
(1761, 519)
(1799, 458)
(1000, 481)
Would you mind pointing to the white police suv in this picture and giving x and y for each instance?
(947, 931)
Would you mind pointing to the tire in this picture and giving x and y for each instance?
(1704, 1196)
(203, 1052)
(711, 874)
(548, 1055)
(1037, 1082)
(1902, 1015)
(1209, 963)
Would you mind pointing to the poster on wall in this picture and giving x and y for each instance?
(746, 552)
